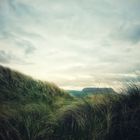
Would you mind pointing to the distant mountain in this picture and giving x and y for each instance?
(90, 90)
(98, 90)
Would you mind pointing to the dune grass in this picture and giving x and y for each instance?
(36, 110)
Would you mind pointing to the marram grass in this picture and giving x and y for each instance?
(36, 110)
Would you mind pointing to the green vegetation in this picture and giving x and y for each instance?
(36, 110)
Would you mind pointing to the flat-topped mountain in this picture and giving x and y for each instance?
(98, 90)
(90, 91)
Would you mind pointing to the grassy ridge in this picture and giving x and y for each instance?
(27, 105)
(36, 110)
(16, 86)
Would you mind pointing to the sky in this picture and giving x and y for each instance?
(73, 43)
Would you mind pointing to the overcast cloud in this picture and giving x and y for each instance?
(74, 43)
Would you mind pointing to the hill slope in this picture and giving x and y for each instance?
(27, 106)
(36, 110)
(15, 86)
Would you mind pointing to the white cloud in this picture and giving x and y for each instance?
(74, 43)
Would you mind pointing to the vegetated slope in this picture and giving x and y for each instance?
(18, 87)
(35, 110)
(103, 117)
(26, 105)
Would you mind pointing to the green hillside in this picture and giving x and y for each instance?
(35, 110)
(15, 86)
(25, 103)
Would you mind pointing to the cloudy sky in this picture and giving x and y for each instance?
(73, 43)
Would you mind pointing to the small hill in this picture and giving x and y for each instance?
(27, 105)
(17, 87)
